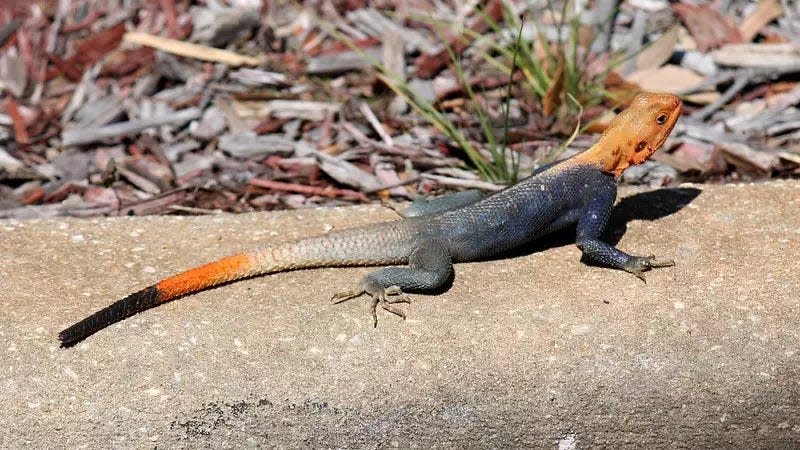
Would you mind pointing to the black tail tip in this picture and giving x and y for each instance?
(119, 310)
(68, 339)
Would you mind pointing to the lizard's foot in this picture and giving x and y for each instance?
(385, 297)
(640, 264)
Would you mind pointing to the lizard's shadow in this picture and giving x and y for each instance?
(650, 205)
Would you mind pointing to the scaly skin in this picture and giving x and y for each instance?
(577, 191)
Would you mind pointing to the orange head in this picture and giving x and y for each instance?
(636, 133)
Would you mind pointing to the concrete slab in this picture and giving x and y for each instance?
(537, 350)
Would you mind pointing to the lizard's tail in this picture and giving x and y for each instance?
(381, 245)
(268, 260)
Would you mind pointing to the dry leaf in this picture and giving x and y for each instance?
(669, 78)
(659, 51)
(777, 56)
(707, 26)
(747, 159)
(685, 39)
(599, 124)
(98, 45)
(554, 96)
(765, 12)
(703, 98)
(619, 89)
(789, 156)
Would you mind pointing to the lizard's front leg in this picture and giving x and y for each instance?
(590, 228)
(429, 267)
(605, 254)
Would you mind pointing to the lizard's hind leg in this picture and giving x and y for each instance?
(429, 267)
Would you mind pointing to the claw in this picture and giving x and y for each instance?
(640, 275)
(373, 307)
(384, 297)
(395, 291)
(388, 307)
(664, 263)
(640, 264)
(381, 298)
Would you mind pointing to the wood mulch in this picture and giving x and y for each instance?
(112, 107)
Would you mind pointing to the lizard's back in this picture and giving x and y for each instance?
(521, 213)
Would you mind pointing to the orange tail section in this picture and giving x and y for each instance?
(193, 280)
(205, 276)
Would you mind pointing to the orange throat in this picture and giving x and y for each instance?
(608, 160)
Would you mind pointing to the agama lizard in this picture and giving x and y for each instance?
(579, 191)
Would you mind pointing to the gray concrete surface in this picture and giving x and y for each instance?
(537, 350)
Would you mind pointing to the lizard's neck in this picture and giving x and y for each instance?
(605, 155)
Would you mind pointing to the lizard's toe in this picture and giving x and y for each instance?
(662, 263)
(650, 262)
(392, 309)
(373, 308)
(640, 264)
(393, 294)
(340, 297)
(386, 297)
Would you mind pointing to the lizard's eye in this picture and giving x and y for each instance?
(661, 119)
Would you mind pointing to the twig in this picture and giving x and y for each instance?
(405, 182)
(741, 78)
(606, 12)
(635, 37)
(80, 136)
(308, 190)
(376, 124)
(193, 210)
(8, 30)
(153, 205)
(77, 99)
(428, 65)
(460, 182)
(190, 50)
(357, 134)
(20, 133)
(721, 77)
(738, 84)
(754, 75)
